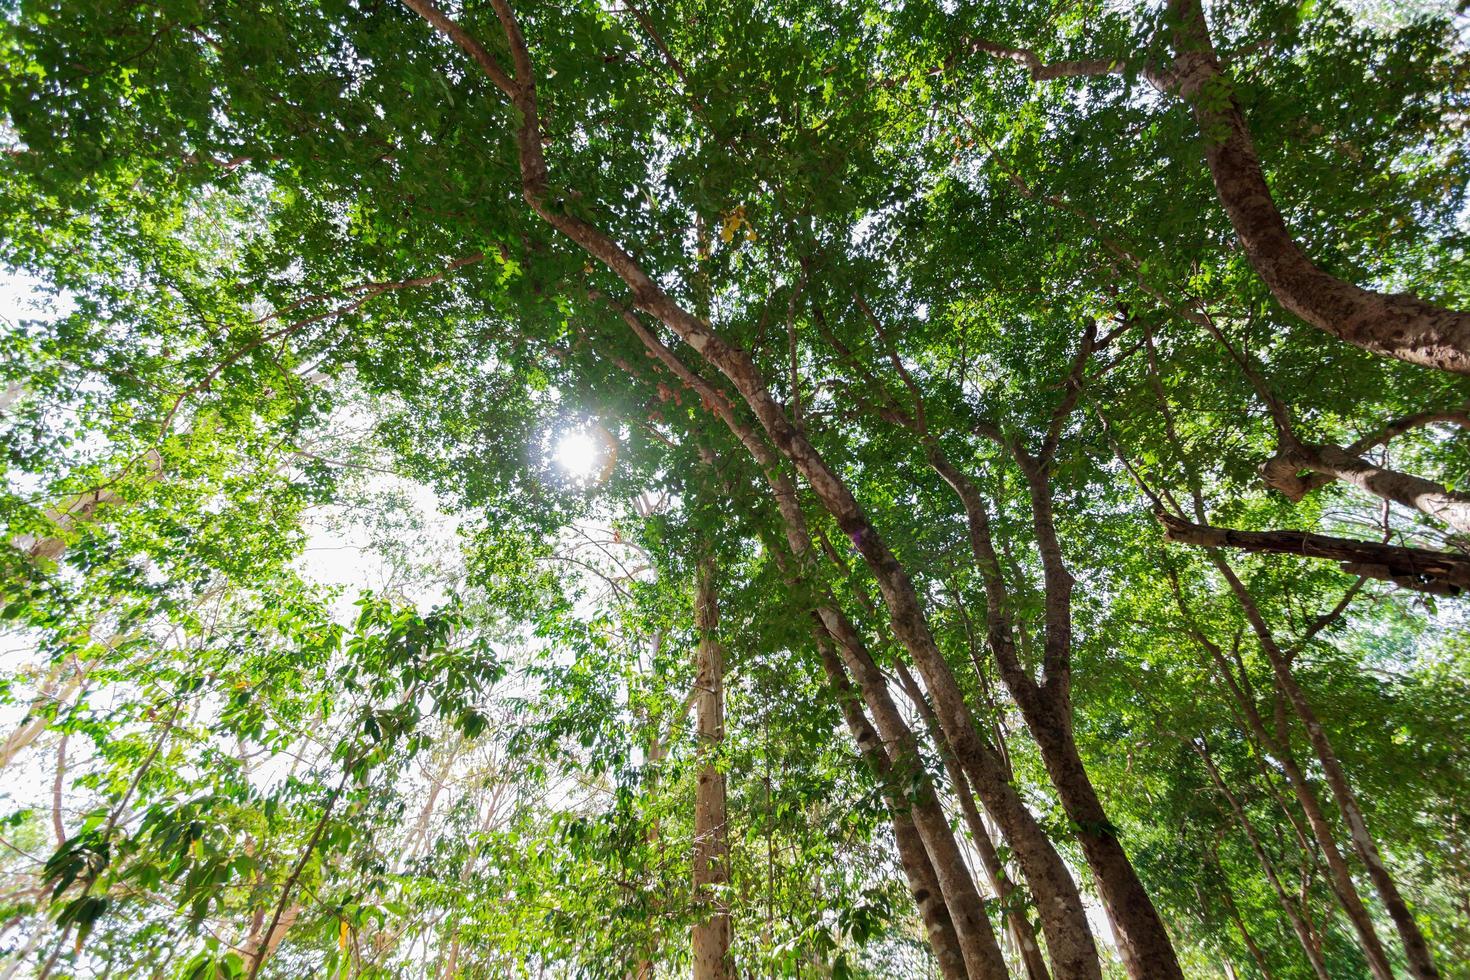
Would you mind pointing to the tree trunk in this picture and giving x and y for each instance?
(1298, 924)
(711, 939)
(1416, 949)
(1068, 935)
(1022, 933)
(1144, 943)
(982, 954)
(1339, 874)
(924, 885)
(1396, 325)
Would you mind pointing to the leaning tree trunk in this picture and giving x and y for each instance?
(1020, 927)
(1339, 874)
(924, 884)
(1416, 948)
(1397, 325)
(983, 958)
(711, 939)
(1144, 943)
(1283, 897)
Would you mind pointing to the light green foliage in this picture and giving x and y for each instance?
(301, 283)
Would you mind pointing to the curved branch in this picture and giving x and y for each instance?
(1435, 572)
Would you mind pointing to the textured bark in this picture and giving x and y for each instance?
(1440, 573)
(924, 885)
(1064, 921)
(977, 940)
(1397, 325)
(1327, 463)
(798, 537)
(1022, 933)
(1143, 941)
(1416, 950)
(1283, 471)
(711, 939)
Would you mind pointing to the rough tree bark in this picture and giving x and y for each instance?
(1283, 897)
(1144, 943)
(1046, 707)
(1437, 572)
(1059, 904)
(1397, 325)
(711, 939)
(1335, 463)
(1339, 874)
(982, 954)
(1069, 938)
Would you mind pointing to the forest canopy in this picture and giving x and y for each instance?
(807, 488)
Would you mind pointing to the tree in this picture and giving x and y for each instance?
(892, 507)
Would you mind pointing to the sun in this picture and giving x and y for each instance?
(577, 454)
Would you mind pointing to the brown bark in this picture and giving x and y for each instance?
(1283, 472)
(924, 884)
(1145, 944)
(784, 494)
(1397, 325)
(711, 938)
(1416, 950)
(1022, 933)
(1440, 573)
(1327, 463)
(1288, 904)
(967, 910)
(1059, 905)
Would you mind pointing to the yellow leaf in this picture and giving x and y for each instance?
(342, 937)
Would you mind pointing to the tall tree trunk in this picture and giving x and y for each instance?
(1339, 874)
(1068, 936)
(1145, 944)
(1022, 933)
(1416, 949)
(1293, 914)
(983, 958)
(712, 959)
(1397, 325)
(924, 884)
